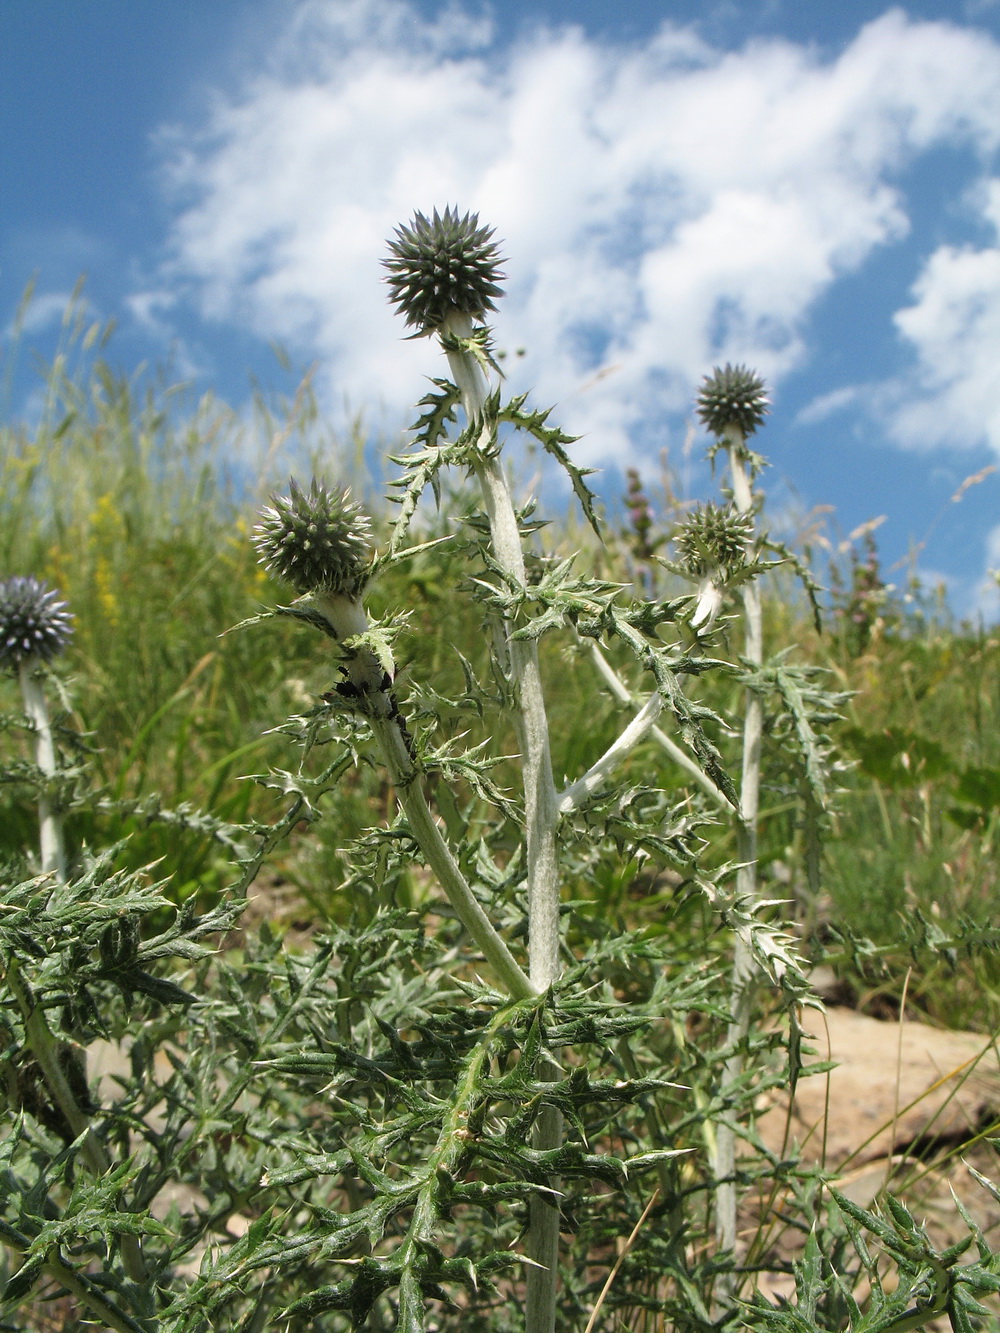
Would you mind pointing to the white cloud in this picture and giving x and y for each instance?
(828, 405)
(953, 327)
(148, 308)
(662, 207)
(152, 309)
(43, 310)
(979, 596)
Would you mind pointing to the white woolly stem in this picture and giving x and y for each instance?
(744, 971)
(52, 848)
(541, 808)
(616, 753)
(347, 618)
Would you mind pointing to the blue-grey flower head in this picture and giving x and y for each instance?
(318, 540)
(714, 538)
(734, 396)
(34, 623)
(443, 265)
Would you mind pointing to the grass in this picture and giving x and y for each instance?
(918, 828)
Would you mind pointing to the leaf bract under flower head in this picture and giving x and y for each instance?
(33, 622)
(318, 540)
(443, 265)
(733, 396)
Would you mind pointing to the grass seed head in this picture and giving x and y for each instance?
(33, 622)
(317, 540)
(734, 396)
(443, 265)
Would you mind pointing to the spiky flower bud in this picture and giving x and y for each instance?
(714, 538)
(735, 396)
(443, 265)
(319, 541)
(712, 546)
(33, 622)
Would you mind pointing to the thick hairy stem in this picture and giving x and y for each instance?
(541, 809)
(53, 855)
(347, 618)
(744, 971)
(539, 788)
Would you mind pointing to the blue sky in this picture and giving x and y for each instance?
(808, 187)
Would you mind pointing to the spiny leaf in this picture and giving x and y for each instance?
(553, 441)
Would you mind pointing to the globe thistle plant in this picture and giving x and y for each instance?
(34, 623)
(317, 540)
(35, 627)
(733, 403)
(733, 396)
(443, 265)
(444, 275)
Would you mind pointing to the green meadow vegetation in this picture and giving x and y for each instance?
(313, 1071)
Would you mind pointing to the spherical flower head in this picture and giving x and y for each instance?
(34, 623)
(441, 266)
(319, 541)
(714, 538)
(735, 396)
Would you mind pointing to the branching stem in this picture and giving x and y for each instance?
(440, 859)
(68, 1277)
(616, 753)
(683, 760)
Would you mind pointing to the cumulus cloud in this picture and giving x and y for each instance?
(44, 310)
(953, 327)
(981, 593)
(662, 207)
(827, 405)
